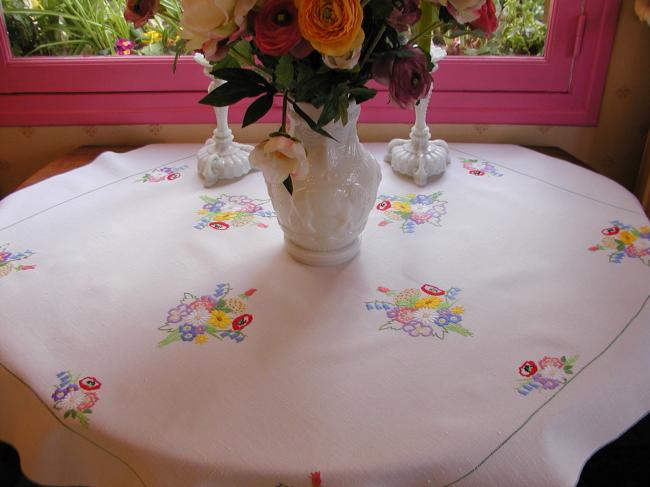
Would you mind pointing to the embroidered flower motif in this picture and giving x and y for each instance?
(420, 313)
(227, 212)
(480, 168)
(162, 174)
(216, 316)
(8, 260)
(411, 210)
(625, 241)
(75, 397)
(546, 374)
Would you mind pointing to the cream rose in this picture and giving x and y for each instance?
(347, 61)
(278, 157)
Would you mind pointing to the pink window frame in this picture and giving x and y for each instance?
(564, 87)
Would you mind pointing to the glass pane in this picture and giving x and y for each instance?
(87, 27)
(521, 32)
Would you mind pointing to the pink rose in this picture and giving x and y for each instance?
(278, 157)
(140, 11)
(487, 22)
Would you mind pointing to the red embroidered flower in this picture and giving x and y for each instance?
(551, 362)
(610, 231)
(219, 225)
(241, 322)
(528, 368)
(250, 292)
(432, 290)
(477, 172)
(173, 176)
(382, 289)
(594, 248)
(384, 205)
(315, 479)
(89, 384)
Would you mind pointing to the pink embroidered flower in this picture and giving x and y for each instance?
(551, 362)
(204, 302)
(528, 368)
(89, 384)
(88, 401)
(420, 218)
(405, 315)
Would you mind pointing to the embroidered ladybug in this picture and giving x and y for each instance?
(241, 322)
(384, 205)
(219, 225)
(528, 368)
(432, 290)
(89, 384)
(610, 231)
(174, 175)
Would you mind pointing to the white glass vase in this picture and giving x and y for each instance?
(323, 219)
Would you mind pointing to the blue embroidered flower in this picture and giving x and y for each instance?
(442, 321)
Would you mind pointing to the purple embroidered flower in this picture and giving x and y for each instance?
(59, 394)
(176, 315)
(213, 207)
(199, 330)
(422, 199)
(546, 382)
(415, 329)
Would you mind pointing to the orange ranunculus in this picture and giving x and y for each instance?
(333, 27)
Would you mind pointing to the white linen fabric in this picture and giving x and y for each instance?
(492, 331)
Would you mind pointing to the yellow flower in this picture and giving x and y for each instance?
(219, 319)
(151, 37)
(626, 237)
(333, 27)
(402, 206)
(428, 302)
(236, 305)
(224, 215)
(609, 242)
(201, 339)
(645, 229)
(458, 310)
(202, 211)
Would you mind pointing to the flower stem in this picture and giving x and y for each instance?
(424, 31)
(283, 127)
(375, 41)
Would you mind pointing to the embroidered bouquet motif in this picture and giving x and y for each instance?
(426, 312)
(480, 168)
(196, 319)
(227, 211)
(162, 174)
(314, 477)
(546, 374)
(411, 210)
(76, 397)
(8, 260)
(625, 241)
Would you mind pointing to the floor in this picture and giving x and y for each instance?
(622, 463)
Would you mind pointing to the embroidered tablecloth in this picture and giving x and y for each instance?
(492, 331)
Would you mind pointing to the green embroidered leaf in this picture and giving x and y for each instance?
(460, 330)
(563, 359)
(172, 337)
(188, 298)
(391, 325)
(568, 369)
(88, 411)
(67, 413)
(572, 359)
(73, 413)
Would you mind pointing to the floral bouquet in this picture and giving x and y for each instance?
(318, 52)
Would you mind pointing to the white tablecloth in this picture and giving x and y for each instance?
(492, 331)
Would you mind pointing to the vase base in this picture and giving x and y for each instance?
(323, 258)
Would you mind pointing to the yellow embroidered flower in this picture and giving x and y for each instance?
(202, 211)
(644, 229)
(402, 206)
(224, 215)
(219, 319)
(626, 237)
(201, 339)
(236, 305)
(333, 27)
(428, 302)
(458, 310)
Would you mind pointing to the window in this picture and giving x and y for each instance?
(562, 87)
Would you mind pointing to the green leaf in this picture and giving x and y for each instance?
(329, 112)
(563, 359)
(284, 72)
(460, 330)
(172, 337)
(232, 92)
(73, 413)
(245, 50)
(361, 93)
(391, 325)
(310, 122)
(67, 413)
(239, 75)
(226, 62)
(258, 109)
(88, 411)
(288, 183)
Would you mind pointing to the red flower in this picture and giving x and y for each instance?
(610, 231)
(382, 289)
(405, 13)
(528, 368)
(384, 205)
(250, 292)
(89, 384)
(276, 27)
(432, 290)
(407, 77)
(315, 479)
(219, 225)
(174, 175)
(140, 11)
(488, 21)
(241, 322)
(477, 172)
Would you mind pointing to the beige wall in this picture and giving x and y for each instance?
(614, 147)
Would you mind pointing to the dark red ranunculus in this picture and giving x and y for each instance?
(405, 13)
(488, 21)
(140, 11)
(276, 27)
(410, 79)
